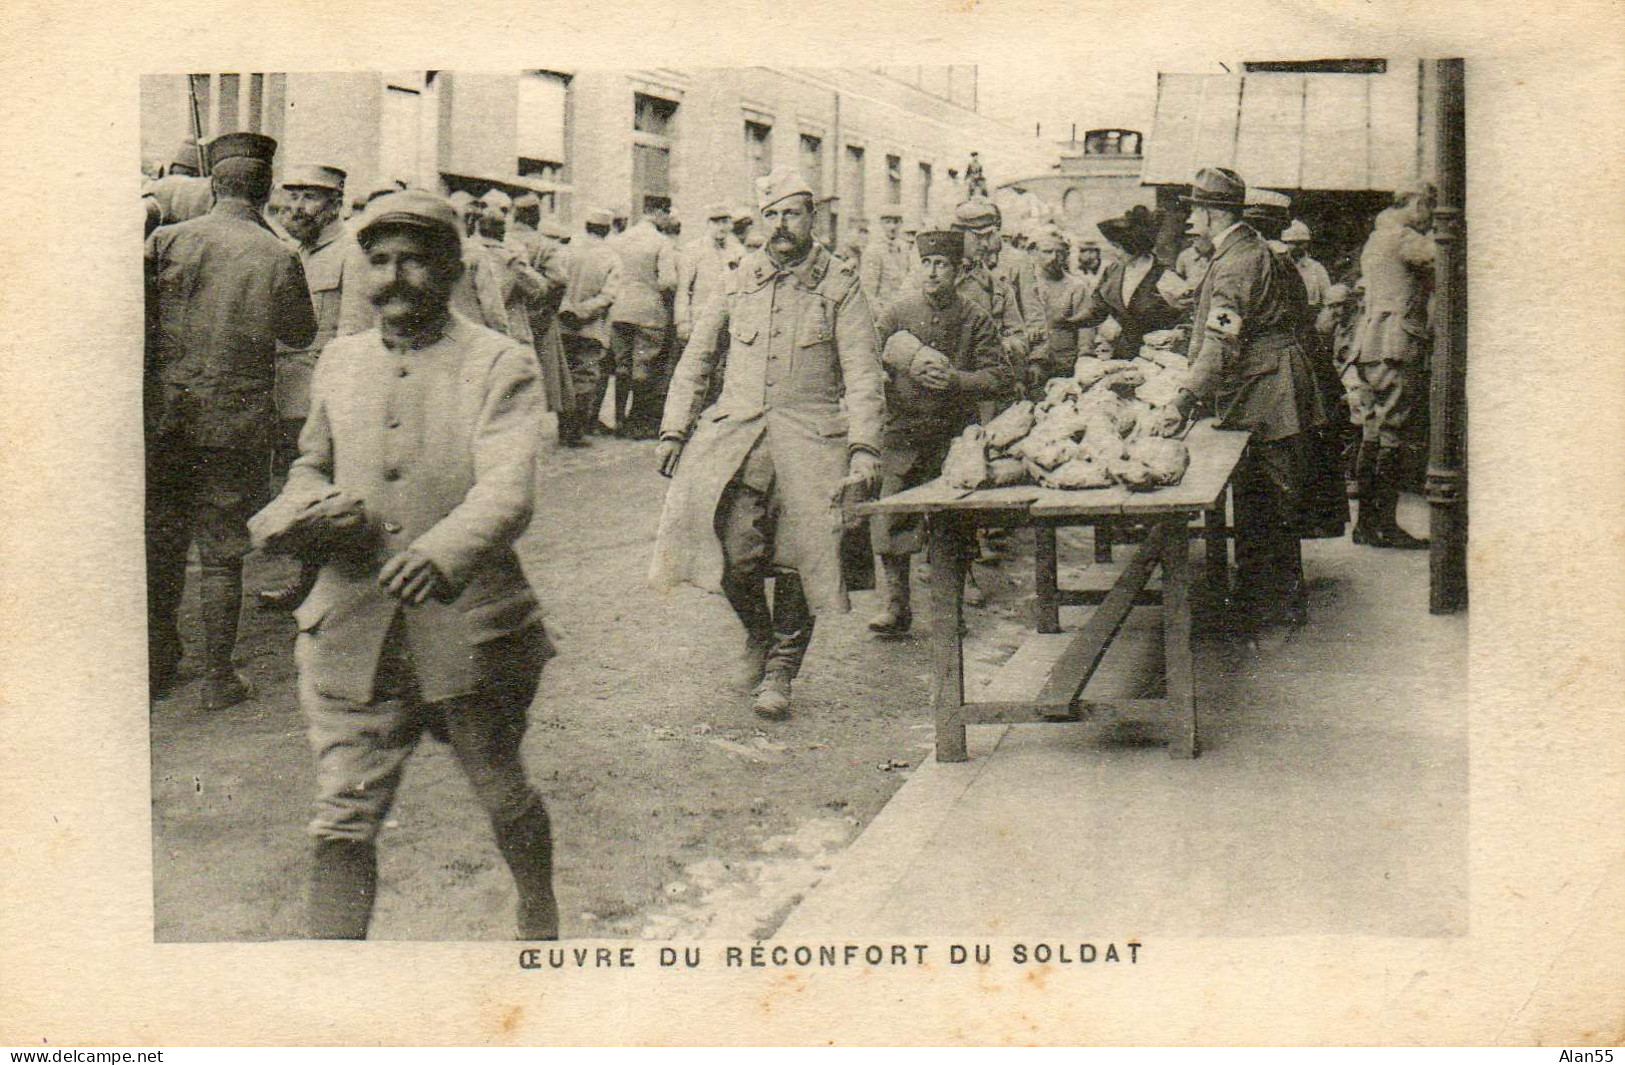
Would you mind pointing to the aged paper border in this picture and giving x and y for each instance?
(1548, 559)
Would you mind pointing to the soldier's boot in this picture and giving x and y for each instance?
(221, 592)
(896, 616)
(343, 885)
(792, 634)
(591, 424)
(581, 421)
(569, 430)
(748, 597)
(625, 403)
(526, 843)
(293, 591)
(1366, 528)
(1385, 483)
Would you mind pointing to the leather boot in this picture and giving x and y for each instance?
(291, 593)
(342, 888)
(1385, 483)
(748, 597)
(581, 422)
(526, 843)
(590, 424)
(1366, 527)
(895, 617)
(773, 696)
(221, 592)
(569, 431)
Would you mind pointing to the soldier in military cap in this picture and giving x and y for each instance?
(1248, 360)
(422, 619)
(527, 219)
(942, 357)
(744, 220)
(592, 280)
(703, 269)
(468, 212)
(757, 474)
(181, 194)
(221, 292)
(1064, 299)
(886, 262)
(332, 261)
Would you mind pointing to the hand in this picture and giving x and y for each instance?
(931, 369)
(667, 452)
(411, 577)
(862, 472)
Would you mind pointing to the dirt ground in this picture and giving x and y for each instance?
(677, 812)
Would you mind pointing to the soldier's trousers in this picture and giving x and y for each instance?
(584, 357)
(746, 521)
(361, 749)
(1269, 492)
(201, 496)
(1390, 391)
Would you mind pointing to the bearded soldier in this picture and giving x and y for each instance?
(758, 474)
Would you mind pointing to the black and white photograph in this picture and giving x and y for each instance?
(934, 523)
(762, 502)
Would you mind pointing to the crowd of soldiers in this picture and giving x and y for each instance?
(389, 367)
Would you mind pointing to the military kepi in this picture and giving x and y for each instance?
(248, 147)
(783, 183)
(948, 243)
(413, 208)
(312, 176)
(1216, 186)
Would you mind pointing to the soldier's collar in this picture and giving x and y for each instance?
(809, 271)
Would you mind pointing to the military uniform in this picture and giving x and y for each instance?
(638, 322)
(1248, 360)
(884, 270)
(221, 292)
(755, 491)
(592, 281)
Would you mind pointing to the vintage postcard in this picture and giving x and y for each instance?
(934, 524)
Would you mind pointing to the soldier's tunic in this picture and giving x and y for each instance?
(1064, 302)
(180, 197)
(801, 341)
(991, 293)
(1247, 359)
(1397, 266)
(922, 422)
(592, 278)
(701, 277)
(884, 271)
(336, 279)
(221, 293)
(1020, 273)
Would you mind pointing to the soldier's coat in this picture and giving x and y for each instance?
(800, 341)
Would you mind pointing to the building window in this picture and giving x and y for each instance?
(398, 134)
(1111, 142)
(853, 184)
(654, 122)
(894, 181)
(925, 190)
(812, 162)
(543, 123)
(759, 148)
(651, 114)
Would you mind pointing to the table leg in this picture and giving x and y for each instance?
(951, 542)
(1103, 541)
(1176, 641)
(1047, 609)
(1216, 557)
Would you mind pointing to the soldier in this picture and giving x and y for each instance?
(705, 267)
(592, 279)
(1248, 360)
(1267, 213)
(1064, 300)
(638, 322)
(744, 220)
(1316, 281)
(1129, 288)
(221, 292)
(331, 258)
(1089, 266)
(982, 285)
(527, 218)
(1397, 267)
(468, 212)
(886, 262)
(180, 194)
(422, 618)
(942, 357)
(975, 181)
(756, 491)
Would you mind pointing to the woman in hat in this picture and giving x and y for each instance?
(1128, 289)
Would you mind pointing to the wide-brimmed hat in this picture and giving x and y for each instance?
(1137, 221)
(1217, 186)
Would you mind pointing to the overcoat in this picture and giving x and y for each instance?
(801, 344)
(1397, 265)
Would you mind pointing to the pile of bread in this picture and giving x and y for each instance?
(1093, 429)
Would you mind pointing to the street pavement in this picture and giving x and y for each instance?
(1330, 797)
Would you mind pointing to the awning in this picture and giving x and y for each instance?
(1290, 131)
